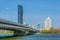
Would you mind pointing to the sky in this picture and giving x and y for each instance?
(34, 11)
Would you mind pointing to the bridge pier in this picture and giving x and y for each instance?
(30, 33)
(20, 33)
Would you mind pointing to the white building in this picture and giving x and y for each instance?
(24, 23)
(48, 23)
(32, 26)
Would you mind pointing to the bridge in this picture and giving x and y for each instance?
(18, 29)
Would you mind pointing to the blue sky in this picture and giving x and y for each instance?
(35, 11)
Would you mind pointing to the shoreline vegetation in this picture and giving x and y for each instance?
(50, 31)
(6, 32)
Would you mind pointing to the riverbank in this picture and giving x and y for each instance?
(50, 31)
(6, 32)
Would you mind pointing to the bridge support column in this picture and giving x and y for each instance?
(31, 32)
(19, 33)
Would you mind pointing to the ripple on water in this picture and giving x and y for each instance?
(38, 37)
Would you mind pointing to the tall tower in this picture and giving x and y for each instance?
(48, 23)
(20, 14)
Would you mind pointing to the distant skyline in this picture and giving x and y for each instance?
(34, 11)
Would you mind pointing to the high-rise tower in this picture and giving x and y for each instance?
(20, 14)
(48, 23)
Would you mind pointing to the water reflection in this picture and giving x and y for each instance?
(36, 37)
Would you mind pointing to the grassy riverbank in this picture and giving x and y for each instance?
(6, 32)
(50, 31)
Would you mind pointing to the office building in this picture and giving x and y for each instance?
(48, 23)
(20, 14)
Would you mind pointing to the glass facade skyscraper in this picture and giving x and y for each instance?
(20, 14)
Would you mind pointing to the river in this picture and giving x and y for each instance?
(35, 37)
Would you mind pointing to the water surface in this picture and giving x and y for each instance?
(36, 37)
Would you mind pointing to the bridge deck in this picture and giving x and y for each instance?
(8, 25)
(2, 21)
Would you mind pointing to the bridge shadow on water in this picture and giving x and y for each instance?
(12, 37)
